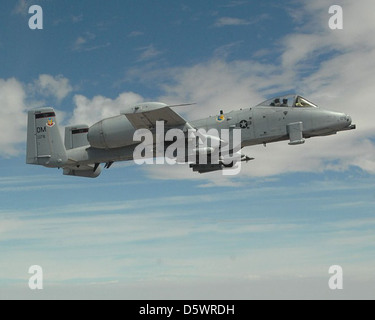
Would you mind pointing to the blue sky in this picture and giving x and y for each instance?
(164, 232)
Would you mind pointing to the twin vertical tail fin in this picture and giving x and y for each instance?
(44, 143)
(76, 136)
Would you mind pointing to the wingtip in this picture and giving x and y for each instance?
(182, 105)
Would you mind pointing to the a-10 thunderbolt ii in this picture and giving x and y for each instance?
(290, 117)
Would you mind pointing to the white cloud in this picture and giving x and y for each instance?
(332, 68)
(90, 111)
(137, 228)
(57, 87)
(358, 23)
(12, 116)
(220, 84)
(217, 85)
(232, 85)
(341, 81)
(16, 98)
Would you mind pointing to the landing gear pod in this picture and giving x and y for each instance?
(295, 131)
(83, 173)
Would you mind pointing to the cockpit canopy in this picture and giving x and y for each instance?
(291, 101)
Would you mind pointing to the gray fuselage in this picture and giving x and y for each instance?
(259, 125)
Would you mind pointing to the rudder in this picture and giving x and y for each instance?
(44, 143)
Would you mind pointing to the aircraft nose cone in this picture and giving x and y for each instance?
(343, 121)
(347, 123)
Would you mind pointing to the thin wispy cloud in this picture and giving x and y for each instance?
(121, 227)
(134, 34)
(233, 4)
(231, 21)
(148, 53)
(82, 40)
(85, 43)
(77, 18)
(22, 7)
(223, 52)
(228, 21)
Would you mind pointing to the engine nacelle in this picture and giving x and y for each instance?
(111, 133)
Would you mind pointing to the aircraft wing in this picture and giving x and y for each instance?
(145, 116)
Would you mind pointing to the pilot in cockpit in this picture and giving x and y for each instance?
(276, 103)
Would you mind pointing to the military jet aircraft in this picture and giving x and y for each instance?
(290, 117)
